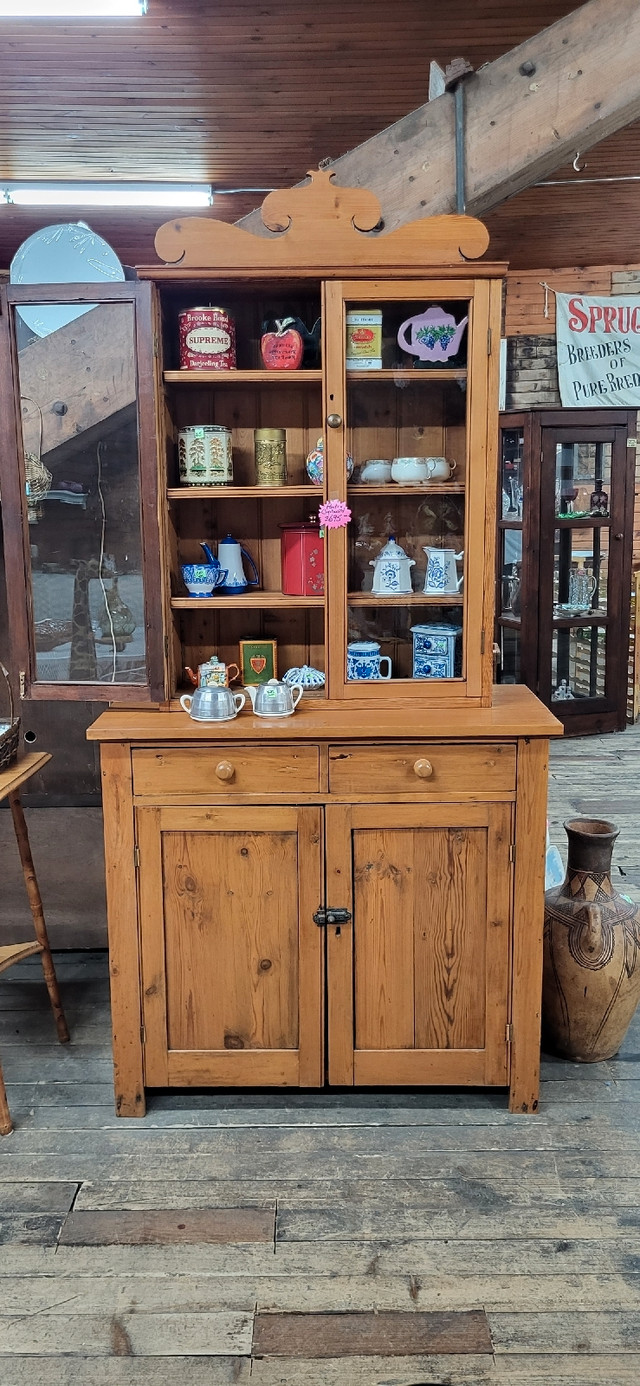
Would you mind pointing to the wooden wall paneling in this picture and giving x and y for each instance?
(384, 897)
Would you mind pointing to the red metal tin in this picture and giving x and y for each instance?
(207, 340)
(302, 552)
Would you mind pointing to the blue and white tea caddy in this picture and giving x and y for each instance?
(434, 649)
(392, 569)
(364, 660)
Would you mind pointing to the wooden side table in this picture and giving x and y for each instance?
(11, 782)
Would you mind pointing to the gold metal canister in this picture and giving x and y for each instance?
(271, 456)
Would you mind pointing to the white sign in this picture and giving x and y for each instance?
(598, 351)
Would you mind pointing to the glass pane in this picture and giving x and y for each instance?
(583, 478)
(406, 417)
(578, 663)
(80, 436)
(580, 569)
(509, 662)
(512, 462)
(510, 570)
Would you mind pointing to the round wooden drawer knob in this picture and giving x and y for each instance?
(423, 769)
(225, 770)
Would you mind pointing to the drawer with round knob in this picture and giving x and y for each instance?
(434, 769)
(196, 772)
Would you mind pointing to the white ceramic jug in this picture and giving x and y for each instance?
(391, 569)
(230, 556)
(441, 575)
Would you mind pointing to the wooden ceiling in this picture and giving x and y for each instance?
(250, 95)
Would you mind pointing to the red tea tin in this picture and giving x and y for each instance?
(207, 340)
(302, 552)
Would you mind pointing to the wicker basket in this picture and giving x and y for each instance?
(9, 737)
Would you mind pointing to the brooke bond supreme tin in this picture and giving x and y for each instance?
(207, 340)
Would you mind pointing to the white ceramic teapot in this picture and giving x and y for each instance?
(441, 576)
(392, 569)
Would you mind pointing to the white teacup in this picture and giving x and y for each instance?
(375, 469)
(409, 470)
(439, 468)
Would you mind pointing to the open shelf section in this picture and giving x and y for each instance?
(390, 488)
(241, 492)
(258, 600)
(408, 599)
(243, 377)
(437, 373)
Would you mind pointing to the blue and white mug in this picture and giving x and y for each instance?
(364, 660)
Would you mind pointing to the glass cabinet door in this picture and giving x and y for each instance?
(412, 554)
(80, 508)
(582, 598)
(511, 519)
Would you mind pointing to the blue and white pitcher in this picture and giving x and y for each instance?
(441, 576)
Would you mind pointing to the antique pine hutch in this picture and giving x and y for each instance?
(352, 894)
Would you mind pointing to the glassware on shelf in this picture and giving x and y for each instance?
(562, 693)
(582, 586)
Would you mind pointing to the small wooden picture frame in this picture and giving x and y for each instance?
(258, 661)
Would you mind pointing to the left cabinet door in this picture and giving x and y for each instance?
(232, 960)
(80, 497)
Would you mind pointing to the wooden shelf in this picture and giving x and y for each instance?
(425, 488)
(243, 377)
(509, 524)
(408, 599)
(259, 600)
(512, 622)
(438, 373)
(242, 492)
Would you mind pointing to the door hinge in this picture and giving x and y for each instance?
(481, 642)
(136, 857)
(156, 345)
(23, 684)
(166, 646)
(489, 340)
(512, 851)
(143, 1035)
(508, 1034)
(329, 915)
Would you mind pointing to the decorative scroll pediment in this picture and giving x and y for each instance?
(320, 226)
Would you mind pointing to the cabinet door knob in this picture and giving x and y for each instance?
(423, 769)
(334, 420)
(618, 536)
(225, 770)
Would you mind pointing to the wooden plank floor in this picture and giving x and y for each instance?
(466, 1245)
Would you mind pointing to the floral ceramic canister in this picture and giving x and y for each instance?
(315, 464)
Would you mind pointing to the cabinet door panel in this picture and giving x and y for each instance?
(229, 944)
(429, 891)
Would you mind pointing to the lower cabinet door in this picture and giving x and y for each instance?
(232, 959)
(418, 978)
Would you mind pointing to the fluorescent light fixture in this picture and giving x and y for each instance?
(106, 194)
(71, 9)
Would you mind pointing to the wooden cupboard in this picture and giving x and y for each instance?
(352, 894)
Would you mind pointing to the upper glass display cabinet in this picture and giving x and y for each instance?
(79, 491)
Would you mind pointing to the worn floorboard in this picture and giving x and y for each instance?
(139, 1253)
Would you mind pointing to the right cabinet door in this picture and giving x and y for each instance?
(418, 979)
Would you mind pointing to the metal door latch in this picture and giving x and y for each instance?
(327, 915)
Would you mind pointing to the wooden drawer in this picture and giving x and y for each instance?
(427, 768)
(196, 771)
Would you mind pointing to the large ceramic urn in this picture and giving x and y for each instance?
(591, 951)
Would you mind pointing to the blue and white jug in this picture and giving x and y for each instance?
(364, 660)
(441, 576)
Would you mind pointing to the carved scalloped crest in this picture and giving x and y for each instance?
(320, 225)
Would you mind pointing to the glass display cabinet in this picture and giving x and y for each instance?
(565, 546)
(341, 893)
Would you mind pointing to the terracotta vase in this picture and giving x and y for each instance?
(591, 981)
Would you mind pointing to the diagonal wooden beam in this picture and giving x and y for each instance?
(527, 113)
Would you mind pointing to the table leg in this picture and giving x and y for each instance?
(6, 1124)
(35, 902)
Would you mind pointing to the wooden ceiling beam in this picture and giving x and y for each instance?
(527, 113)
